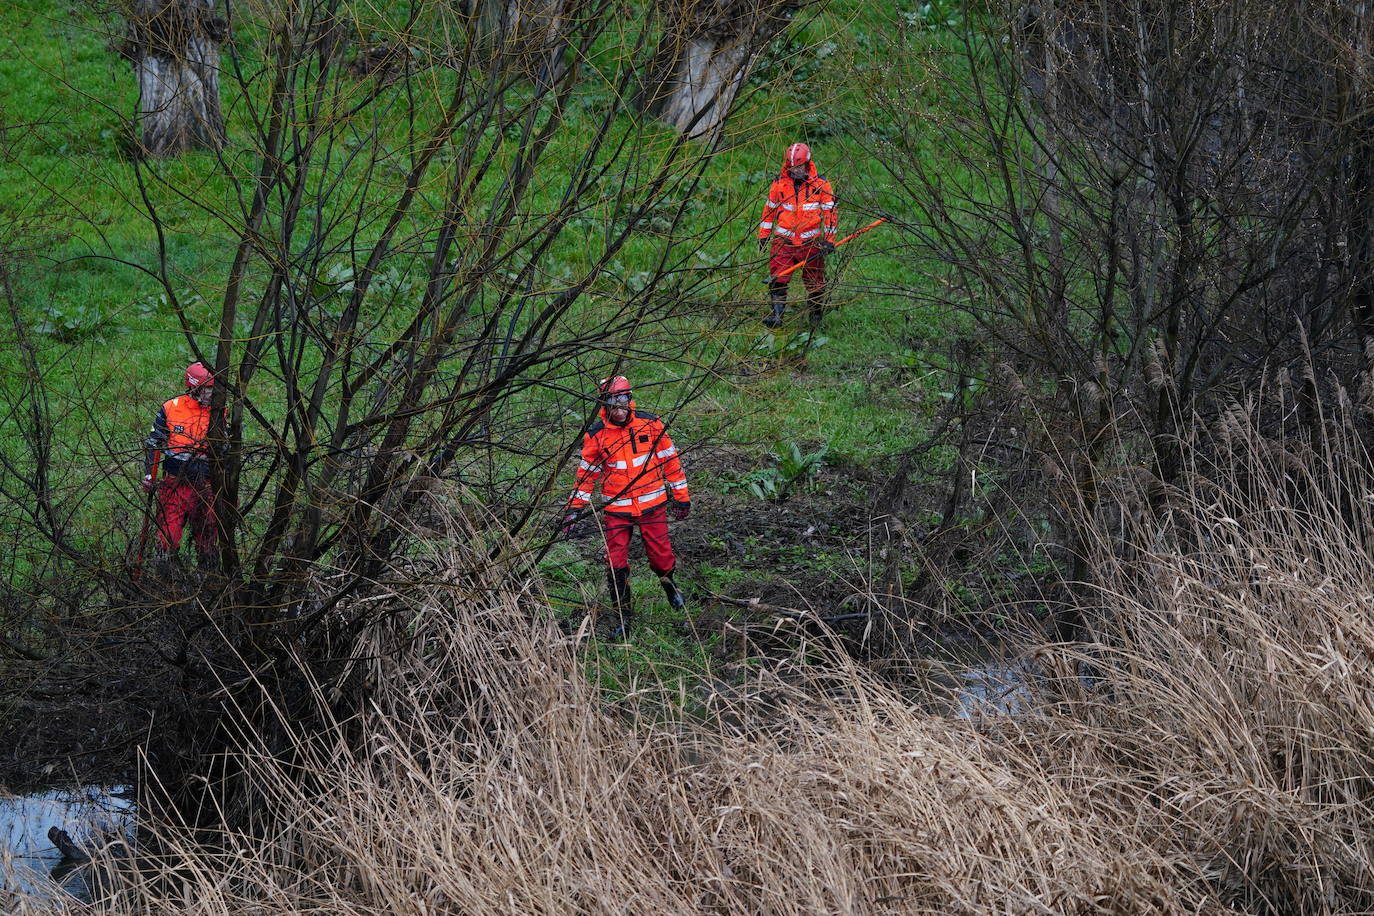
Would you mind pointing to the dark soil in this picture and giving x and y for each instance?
(803, 552)
(818, 553)
(110, 680)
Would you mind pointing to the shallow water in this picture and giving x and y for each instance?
(993, 689)
(90, 814)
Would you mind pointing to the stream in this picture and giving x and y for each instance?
(993, 689)
(29, 863)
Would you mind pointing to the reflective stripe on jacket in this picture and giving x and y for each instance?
(799, 211)
(636, 464)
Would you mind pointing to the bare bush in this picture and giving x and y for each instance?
(410, 272)
(1133, 211)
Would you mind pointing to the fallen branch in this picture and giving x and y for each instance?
(790, 613)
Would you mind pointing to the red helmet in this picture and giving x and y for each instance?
(797, 154)
(197, 375)
(610, 387)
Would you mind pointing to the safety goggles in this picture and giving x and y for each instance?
(618, 400)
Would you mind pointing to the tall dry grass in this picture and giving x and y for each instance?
(1217, 759)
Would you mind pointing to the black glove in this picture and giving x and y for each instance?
(763, 243)
(681, 510)
(825, 246)
(568, 526)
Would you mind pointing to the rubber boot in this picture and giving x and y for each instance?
(777, 297)
(621, 602)
(675, 599)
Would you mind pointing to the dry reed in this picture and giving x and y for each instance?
(1216, 758)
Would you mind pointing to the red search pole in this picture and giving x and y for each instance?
(787, 271)
(149, 511)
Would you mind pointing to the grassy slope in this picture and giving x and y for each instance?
(67, 95)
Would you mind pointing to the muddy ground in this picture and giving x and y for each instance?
(823, 551)
(78, 716)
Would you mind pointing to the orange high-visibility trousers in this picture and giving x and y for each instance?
(653, 529)
(785, 254)
(181, 502)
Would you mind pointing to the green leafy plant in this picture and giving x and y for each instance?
(159, 303)
(777, 346)
(788, 468)
(75, 323)
(934, 16)
(337, 279)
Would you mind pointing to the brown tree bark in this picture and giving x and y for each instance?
(174, 48)
(524, 36)
(708, 48)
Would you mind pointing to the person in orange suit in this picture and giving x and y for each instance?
(798, 226)
(184, 498)
(631, 455)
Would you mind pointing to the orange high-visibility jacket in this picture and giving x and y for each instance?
(637, 465)
(799, 211)
(179, 430)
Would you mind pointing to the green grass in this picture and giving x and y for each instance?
(655, 654)
(111, 348)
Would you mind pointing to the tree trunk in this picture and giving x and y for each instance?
(524, 36)
(707, 51)
(174, 47)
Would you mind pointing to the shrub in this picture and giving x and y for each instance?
(787, 469)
